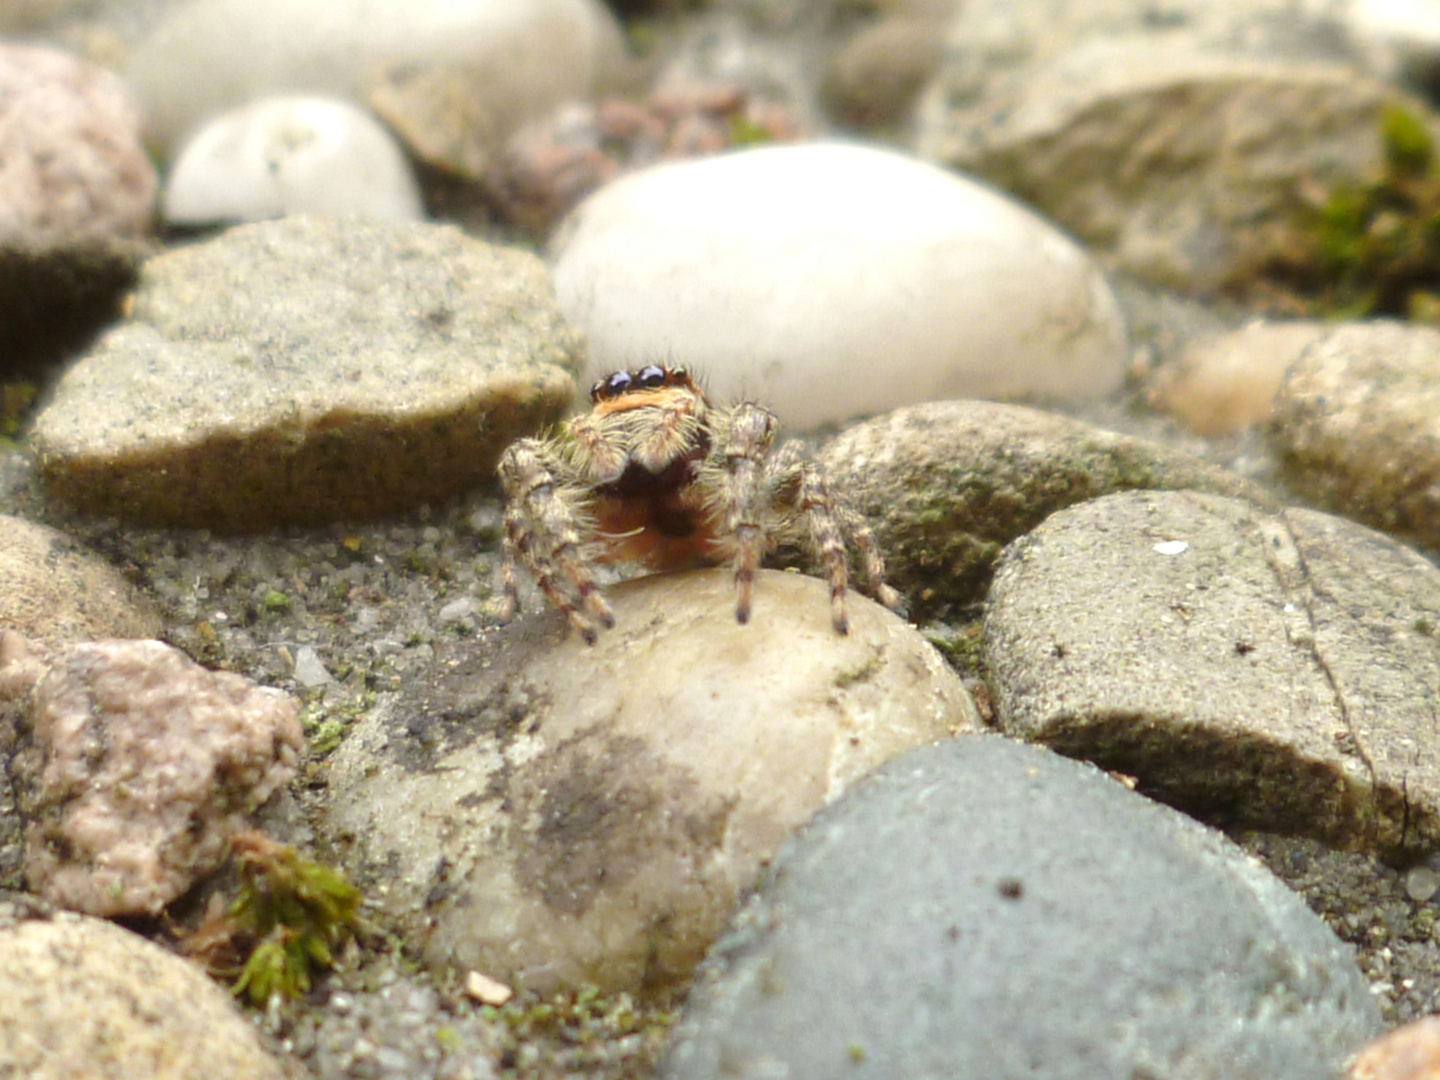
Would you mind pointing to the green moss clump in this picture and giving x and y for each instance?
(1373, 248)
(290, 916)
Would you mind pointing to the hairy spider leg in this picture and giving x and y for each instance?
(532, 496)
(744, 495)
(800, 483)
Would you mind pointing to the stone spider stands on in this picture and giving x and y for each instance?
(656, 476)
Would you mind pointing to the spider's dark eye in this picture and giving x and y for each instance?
(618, 383)
(651, 377)
(678, 375)
(597, 390)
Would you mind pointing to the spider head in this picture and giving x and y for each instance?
(650, 377)
(653, 384)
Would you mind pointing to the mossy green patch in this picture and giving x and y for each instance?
(1372, 248)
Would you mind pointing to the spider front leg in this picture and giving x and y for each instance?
(543, 531)
(744, 495)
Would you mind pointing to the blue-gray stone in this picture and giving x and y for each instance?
(985, 909)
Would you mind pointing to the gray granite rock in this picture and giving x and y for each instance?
(555, 814)
(947, 485)
(305, 370)
(1274, 669)
(1357, 426)
(82, 997)
(982, 908)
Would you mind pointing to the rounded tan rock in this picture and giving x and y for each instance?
(82, 997)
(1357, 426)
(53, 590)
(558, 814)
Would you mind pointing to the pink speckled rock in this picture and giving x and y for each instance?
(135, 768)
(72, 165)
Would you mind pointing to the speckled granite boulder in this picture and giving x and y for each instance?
(985, 909)
(306, 370)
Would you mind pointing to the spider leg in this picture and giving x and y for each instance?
(744, 494)
(543, 531)
(858, 530)
(800, 483)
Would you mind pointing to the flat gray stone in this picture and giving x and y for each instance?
(948, 484)
(1274, 669)
(555, 814)
(981, 908)
(306, 370)
(1357, 426)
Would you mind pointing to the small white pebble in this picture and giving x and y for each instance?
(1172, 547)
(457, 612)
(1421, 883)
(310, 670)
(486, 990)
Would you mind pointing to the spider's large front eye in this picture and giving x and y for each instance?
(618, 383)
(650, 377)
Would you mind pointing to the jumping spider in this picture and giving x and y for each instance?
(655, 475)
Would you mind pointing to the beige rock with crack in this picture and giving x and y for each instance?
(555, 814)
(134, 767)
(81, 997)
(1270, 669)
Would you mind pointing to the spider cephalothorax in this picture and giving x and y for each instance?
(655, 475)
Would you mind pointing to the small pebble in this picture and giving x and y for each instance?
(1421, 883)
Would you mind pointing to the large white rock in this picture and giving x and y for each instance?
(209, 56)
(291, 155)
(831, 280)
